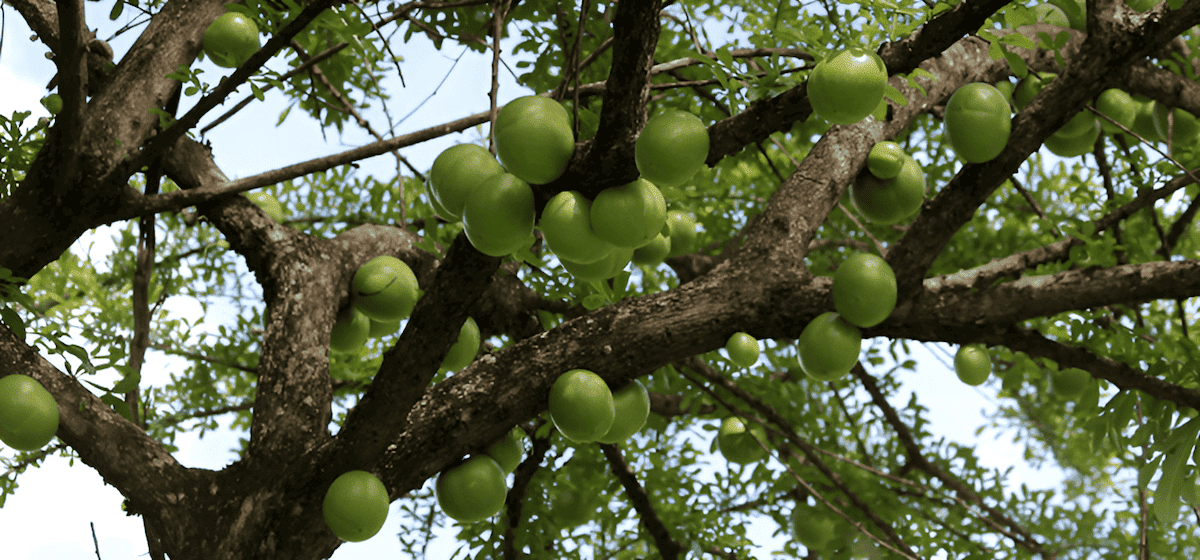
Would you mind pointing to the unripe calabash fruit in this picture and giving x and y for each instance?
(864, 290)
(829, 347)
(978, 122)
(972, 365)
(671, 147)
(847, 86)
(581, 406)
(472, 491)
(356, 506)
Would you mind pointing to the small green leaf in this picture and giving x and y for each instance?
(258, 93)
(117, 405)
(13, 321)
(129, 381)
(116, 10)
(594, 302)
(1166, 494)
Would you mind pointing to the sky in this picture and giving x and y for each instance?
(73, 497)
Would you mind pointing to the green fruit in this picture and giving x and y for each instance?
(457, 173)
(653, 253)
(978, 122)
(507, 452)
(847, 86)
(380, 329)
(498, 220)
(683, 233)
(1119, 106)
(1070, 382)
(567, 226)
(1079, 125)
(817, 529)
(1032, 85)
(740, 444)
(1186, 128)
(672, 146)
(972, 365)
(465, 347)
(885, 159)
(887, 201)
(581, 406)
(570, 508)
(472, 491)
(603, 269)
(350, 332)
(385, 289)
(1073, 146)
(829, 347)
(1143, 120)
(631, 407)
(630, 215)
(864, 290)
(1006, 88)
(268, 204)
(1142, 6)
(231, 40)
(742, 349)
(356, 505)
(1075, 11)
(28, 413)
(534, 138)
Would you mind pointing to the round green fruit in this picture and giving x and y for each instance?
(847, 86)
(1070, 382)
(1032, 85)
(740, 444)
(472, 491)
(653, 253)
(268, 204)
(1006, 88)
(1075, 145)
(631, 407)
(742, 349)
(629, 215)
(28, 413)
(350, 332)
(978, 122)
(1143, 120)
(457, 173)
(602, 269)
(581, 406)
(567, 226)
(864, 290)
(385, 289)
(380, 329)
(1185, 126)
(1119, 106)
(817, 529)
(829, 347)
(570, 508)
(507, 452)
(462, 353)
(1079, 125)
(534, 138)
(683, 233)
(672, 146)
(498, 219)
(356, 505)
(887, 201)
(1076, 13)
(972, 365)
(885, 159)
(231, 39)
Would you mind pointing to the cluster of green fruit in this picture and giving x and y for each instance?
(384, 293)
(978, 120)
(28, 413)
(594, 239)
(475, 490)
(231, 39)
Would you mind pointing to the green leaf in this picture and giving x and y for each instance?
(594, 302)
(1016, 63)
(116, 10)
(1147, 471)
(13, 321)
(129, 380)
(1166, 494)
(258, 93)
(1018, 40)
(117, 405)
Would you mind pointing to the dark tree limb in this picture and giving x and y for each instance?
(667, 546)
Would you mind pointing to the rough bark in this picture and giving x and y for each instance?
(268, 504)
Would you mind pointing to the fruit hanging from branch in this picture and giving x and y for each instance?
(28, 413)
(671, 148)
(847, 86)
(864, 290)
(385, 289)
(457, 173)
(534, 139)
(356, 506)
(498, 220)
(472, 491)
(581, 406)
(828, 347)
(231, 39)
(978, 122)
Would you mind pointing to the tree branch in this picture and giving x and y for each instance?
(668, 547)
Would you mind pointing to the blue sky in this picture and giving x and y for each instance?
(71, 497)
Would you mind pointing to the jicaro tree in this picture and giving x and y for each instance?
(1073, 280)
